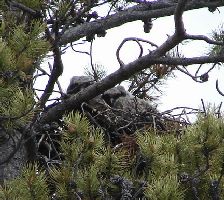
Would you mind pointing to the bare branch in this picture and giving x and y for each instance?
(219, 110)
(132, 39)
(179, 34)
(118, 76)
(203, 105)
(95, 75)
(84, 52)
(217, 88)
(138, 12)
(155, 57)
(57, 66)
(56, 72)
(179, 25)
(188, 61)
(203, 77)
(204, 38)
(58, 83)
(24, 8)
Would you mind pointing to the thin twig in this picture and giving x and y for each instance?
(204, 109)
(138, 40)
(217, 88)
(58, 83)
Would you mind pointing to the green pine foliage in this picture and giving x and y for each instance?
(28, 47)
(165, 188)
(31, 184)
(6, 62)
(88, 162)
(165, 166)
(20, 108)
(217, 35)
(163, 169)
(96, 71)
(16, 106)
(179, 167)
(34, 4)
(192, 162)
(22, 43)
(201, 154)
(22, 48)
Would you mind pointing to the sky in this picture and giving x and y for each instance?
(179, 91)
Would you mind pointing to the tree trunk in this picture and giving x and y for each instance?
(12, 155)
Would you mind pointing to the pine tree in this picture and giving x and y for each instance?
(186, 166)
(82, 162)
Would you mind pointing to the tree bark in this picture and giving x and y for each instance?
(13, 156)
(138, 12)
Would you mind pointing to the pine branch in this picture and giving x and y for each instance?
(118, 76)
(57, 68)
(139, 12)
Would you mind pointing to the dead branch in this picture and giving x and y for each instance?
(217, 88)
(155, 57)
(202, 78)
(137, 40)
(57, 67)
(118, 76)
(204, 38)
(138, 12)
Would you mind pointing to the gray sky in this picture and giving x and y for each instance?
(180, 91)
